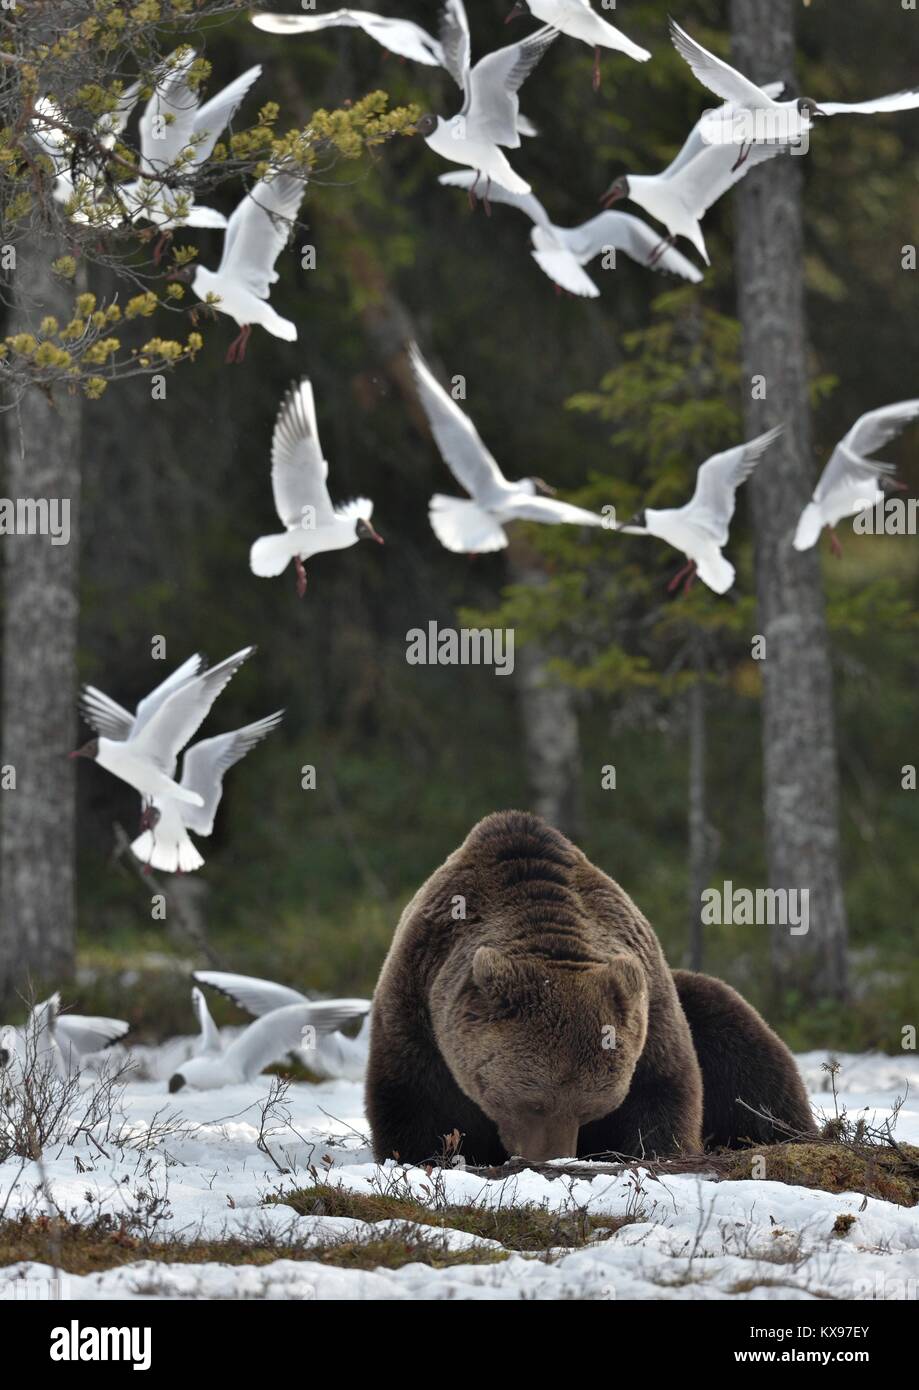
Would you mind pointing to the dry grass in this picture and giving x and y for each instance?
(104, 1244)
(529, 1228)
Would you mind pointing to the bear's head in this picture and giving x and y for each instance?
(544, 1047)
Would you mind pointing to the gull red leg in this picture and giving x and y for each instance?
(301, 576)
(236, 352)
(680, 575)
(659, 250)
(742, 157)
(162, 242)
(835, 543)
(597, 68)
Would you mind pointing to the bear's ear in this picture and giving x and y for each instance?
(492, 972)
(625, 979)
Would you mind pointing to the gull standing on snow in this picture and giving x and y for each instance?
(256, 234)
(701, 527)
(267, 1040)
(561, 252)
(165, 845)
(579, 20)
(334, 1055)
(850, 483)
(475, 526)
(753, 116)
(58, 1041)
(145, 756)
(400, 36)
(299, 481)
(490, 115)
(680, 195)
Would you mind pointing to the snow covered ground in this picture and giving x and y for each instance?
(696, 1238)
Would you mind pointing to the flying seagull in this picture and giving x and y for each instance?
(850, 483)
(299, 481)
(47, 130)
(144, 754)
(177, 136)
(165, 844)
(267, 1040)
(561, 252)
(490, 114)
(579, 20)
(400, 36)
(107, 717)
(475, 526)
(753, 116)
(700, 528)
(256, 234)
(334, 1055)
(58, 1041)
(680, 195)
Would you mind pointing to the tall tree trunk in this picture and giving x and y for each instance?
(799, 744)
(701, 835)
(549, 716)
(40, 616)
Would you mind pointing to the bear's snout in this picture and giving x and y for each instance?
(540, 1140)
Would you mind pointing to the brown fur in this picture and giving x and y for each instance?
(497, 1024)
(742, 1060)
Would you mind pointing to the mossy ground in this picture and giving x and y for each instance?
(88, 1249)
(527, 1228)
(892, 1174)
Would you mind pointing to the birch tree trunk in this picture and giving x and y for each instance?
(799, 743)
(702, 836)
(548, 712)
(40, 616)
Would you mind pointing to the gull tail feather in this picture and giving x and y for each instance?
(168, 856)
(810, 524)
(717, 572)
(270, 555)
(463, 526)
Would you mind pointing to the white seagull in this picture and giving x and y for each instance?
(144, 753)
(490, 115)
(334, 1054)
(850, 483)
(177, 136)
(701, 527)
(208, 1043)
(256, 234)
(58, 1041)
(680, 195)
(267, 1040)
(400, 36)
(561, 252)
(299, 481)
(166, 845)
(47, 130)
(753, 116)
(579, 20)
(476, 526)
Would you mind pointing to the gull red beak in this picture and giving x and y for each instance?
(611, 196)
(74, 754)
(516, 13)
(375, 536)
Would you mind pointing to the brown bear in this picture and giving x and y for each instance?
(526, 1002)
(748, 1074)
